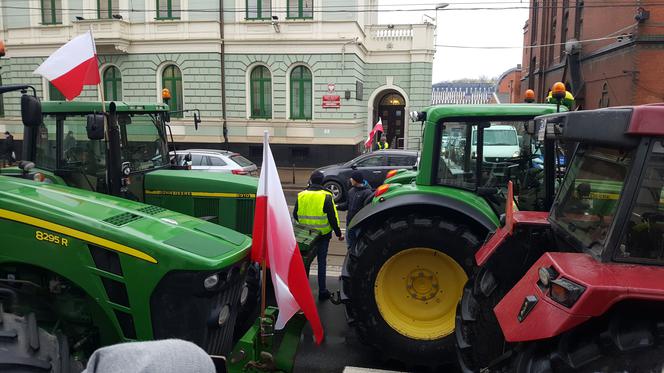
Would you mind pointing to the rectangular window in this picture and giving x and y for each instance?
(300, 9)
(51, 12)
(168, 9)
(106, 8)
(259, 9)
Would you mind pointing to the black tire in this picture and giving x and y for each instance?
(364, 261)
(25, 347)
(630, 340)
(479, 338)
(336, 189)
(250, 300)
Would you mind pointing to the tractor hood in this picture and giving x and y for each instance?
(199, 181)
(143, 231)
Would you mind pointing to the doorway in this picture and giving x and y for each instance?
(392, 110)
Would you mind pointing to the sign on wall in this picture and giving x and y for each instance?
(331, 100)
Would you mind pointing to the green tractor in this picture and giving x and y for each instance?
(123, 150)
(80, 270)
(403, 277)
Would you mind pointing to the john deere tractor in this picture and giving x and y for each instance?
(79, 270)
(123, 150)
(580, 288)
(402, 279)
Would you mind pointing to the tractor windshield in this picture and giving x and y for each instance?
(586, 205)
(507, 154)
(63, 144)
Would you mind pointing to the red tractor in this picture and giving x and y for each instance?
(580, 288)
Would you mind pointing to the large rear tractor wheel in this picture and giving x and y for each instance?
(404, 279)
(24, 347)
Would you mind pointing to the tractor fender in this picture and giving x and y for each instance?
(606, 284)
(411, 201)
(502, 234)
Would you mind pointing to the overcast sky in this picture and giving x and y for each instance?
(500, 27)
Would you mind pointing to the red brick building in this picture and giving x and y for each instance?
(508, 86)
(608, 53)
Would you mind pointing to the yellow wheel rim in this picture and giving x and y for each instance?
(417, 291)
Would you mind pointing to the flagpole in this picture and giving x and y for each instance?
(100, 88)
(263, 259)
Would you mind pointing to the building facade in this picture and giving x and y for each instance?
(268, 66)
(607, 54)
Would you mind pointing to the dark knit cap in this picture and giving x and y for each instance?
(357, 176)
(316, 178)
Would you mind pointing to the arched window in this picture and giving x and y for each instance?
(300, 91)
(261, 92)
(112, 84)
(171, 78)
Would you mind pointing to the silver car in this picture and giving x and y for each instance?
(216, 161)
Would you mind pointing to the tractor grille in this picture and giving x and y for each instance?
(122, 219)
(182, 308)
(151, 210)
(245, 215)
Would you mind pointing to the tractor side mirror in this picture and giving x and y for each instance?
(95, 126)
(187, 159)
(31, 111)
(197, 121)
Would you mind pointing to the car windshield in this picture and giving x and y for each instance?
(242, 161)
(586, 204)
(497, 137)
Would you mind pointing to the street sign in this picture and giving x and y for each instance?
(331, 102)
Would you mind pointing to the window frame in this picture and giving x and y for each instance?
(52, 91)
(109, 9)
(176, 101)
(115, 81)
(265, 88)
(300, 10)
(52, 18)
(169, 10)
(301, 81)
(261, 15)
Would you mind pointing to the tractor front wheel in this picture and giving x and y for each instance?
(629, 339)
(26, 347)
(404, 279)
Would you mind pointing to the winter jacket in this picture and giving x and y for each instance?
(358, 196)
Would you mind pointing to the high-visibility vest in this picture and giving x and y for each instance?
(310, 210)
(381, 146)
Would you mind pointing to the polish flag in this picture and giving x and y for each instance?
(72, 66)
(273, 235)
(378, 127)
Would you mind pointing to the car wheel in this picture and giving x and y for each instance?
(336, 189)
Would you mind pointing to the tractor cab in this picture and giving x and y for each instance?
(579, 288)
(481, 154)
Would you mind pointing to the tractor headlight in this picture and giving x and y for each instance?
(566, 292)
(211, 281)
(224, 315)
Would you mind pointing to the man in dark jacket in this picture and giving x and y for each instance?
(7, 152)
(358, 196)
(315, 209)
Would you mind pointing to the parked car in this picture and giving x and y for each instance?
(373, 166)
(216, 161)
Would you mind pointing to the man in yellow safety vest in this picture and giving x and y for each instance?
(315, 208)
(382, 144)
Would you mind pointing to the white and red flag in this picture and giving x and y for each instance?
(273, 236)
(72, 66)
(378, 127)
